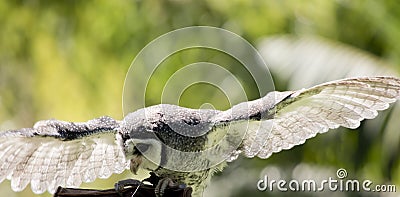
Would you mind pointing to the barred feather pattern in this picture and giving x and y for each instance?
(56, 153)
(315, 110)
(47, 162)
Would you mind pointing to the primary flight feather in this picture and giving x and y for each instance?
(57, 153)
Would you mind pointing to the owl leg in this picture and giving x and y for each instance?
(162, 184)
(167, 183)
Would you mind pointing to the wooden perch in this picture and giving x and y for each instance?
(144, 190)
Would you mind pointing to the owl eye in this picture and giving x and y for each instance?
(142, 147)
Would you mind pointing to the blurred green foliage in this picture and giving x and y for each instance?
(68, 59)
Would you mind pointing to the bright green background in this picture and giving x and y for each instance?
(68, 59)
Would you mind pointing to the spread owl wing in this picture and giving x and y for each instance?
(56, 153)
(300, 115)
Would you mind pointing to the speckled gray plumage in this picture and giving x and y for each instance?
(58, 153)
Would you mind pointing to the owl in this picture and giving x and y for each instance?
(182, 145)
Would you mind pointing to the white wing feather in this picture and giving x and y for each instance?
(48, 161)
(316, 110)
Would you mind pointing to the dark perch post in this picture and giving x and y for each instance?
(128, 187)
(143, 191)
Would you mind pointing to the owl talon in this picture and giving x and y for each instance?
(167, 183)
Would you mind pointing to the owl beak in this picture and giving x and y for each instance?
(135, 163)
